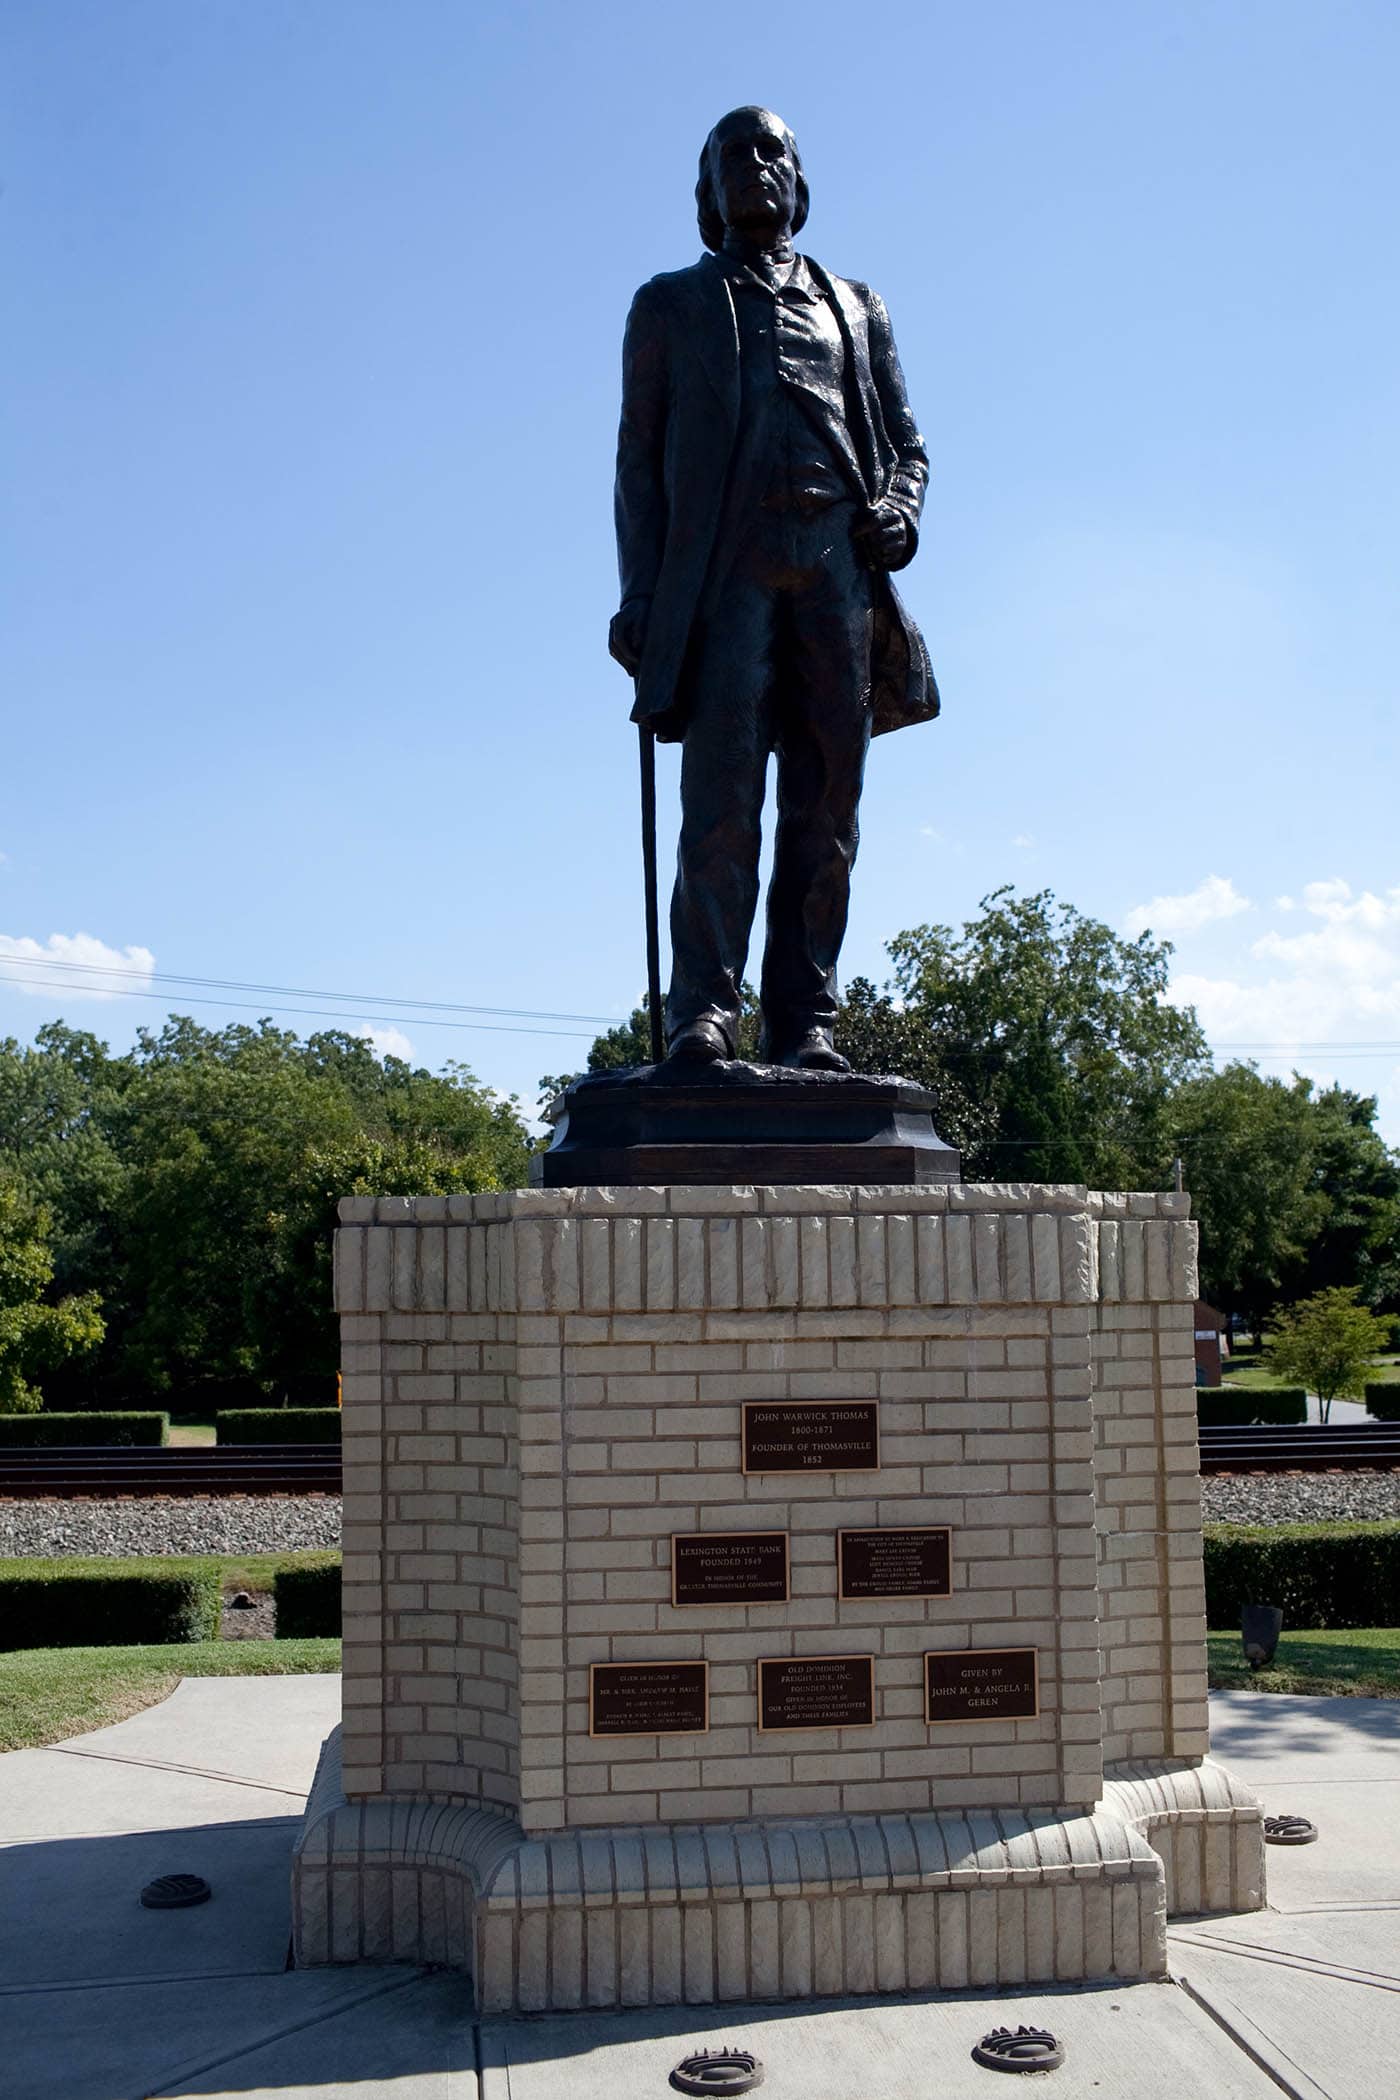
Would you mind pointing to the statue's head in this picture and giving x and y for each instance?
(750, 179)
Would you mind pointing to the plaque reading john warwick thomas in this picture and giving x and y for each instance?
(729, 1567)
(811, 1436)
(665, 1698)
(816, 1691)
(982, 1684)
(911, 1562)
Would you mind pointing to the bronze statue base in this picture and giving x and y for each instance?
(727, 1124)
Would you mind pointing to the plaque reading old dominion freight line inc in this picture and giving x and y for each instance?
(914, 1561)
(816, 1691)
(982, 1684)
(729, 1567)
(660, 1698)
(811, 1436)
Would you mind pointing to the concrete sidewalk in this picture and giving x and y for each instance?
(102, 2000)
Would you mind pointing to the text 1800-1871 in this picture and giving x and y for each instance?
(811, 1436)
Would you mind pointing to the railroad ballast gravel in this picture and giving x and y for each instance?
(286, 1523)
(1298, 1498)
(194, 1524)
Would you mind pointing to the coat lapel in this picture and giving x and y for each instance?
(850, 318)
(713, 331)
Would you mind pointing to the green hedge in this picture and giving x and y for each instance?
(108, 1604)
(279, 1425)
(1383, 1400)
(40, 1432)
(308, 1600)
(1320, 1575)
(1235, 1406)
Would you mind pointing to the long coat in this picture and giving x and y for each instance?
(680, 415)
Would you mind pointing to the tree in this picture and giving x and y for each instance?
(1357, 1177)
(1050, 1040)
(1295, 1190)
(35, 1334)
(1247, 1144)
(1327, 1344)
(193, 1183)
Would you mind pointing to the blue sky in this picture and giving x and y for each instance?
(312, 372)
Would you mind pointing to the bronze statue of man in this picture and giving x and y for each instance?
(770, 476)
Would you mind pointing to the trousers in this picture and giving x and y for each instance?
(779, 664)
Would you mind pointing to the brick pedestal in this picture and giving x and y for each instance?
(542, 1388)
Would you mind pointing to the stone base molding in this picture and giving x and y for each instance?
(725, 1913)
(1205, 1827)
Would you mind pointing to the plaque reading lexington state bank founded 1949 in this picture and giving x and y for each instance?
(729, 1567)
(816, 1691)
(982, 1684)
(662, 1698)
(811, 1436)
(908, 1561)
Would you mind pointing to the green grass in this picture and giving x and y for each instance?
(253, 1572)
(1254, 1377)
(48, 1694)
(1360, 1660)
(188, 1430)
(1254, 1374)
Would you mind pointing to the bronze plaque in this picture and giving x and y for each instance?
(729, 1567)
(817, 1691)
(811, 1436)
(671, 1698)
(913, 1561)
(982, 1684)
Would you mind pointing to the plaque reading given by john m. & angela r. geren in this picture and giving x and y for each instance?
(661, 1698)
(982, 1684)
(811, 1436)
(729, 1567)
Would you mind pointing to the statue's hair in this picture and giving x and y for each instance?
(707, 209)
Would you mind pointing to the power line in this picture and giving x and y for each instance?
(424, 1009)
(357, 1014)
(299, 991)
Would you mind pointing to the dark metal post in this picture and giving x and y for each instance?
(648, 755)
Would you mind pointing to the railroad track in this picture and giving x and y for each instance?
(1308, 1448)
(104, 1470)
(101, 1471)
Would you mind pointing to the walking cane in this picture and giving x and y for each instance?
(648, 755)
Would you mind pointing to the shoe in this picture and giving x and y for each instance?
(699, 1043)
(814, 1052)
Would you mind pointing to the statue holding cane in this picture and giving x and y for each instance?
(770, 478)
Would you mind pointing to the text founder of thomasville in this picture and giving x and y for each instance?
(770, 476)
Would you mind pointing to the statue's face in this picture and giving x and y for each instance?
(753, 171)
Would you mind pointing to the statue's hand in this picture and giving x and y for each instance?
(627, 634)
(881, 536)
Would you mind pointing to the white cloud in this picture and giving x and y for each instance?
(76, 963)
(1330, 991)
(388, 1042)
(1024, 840)
(1215, 898)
